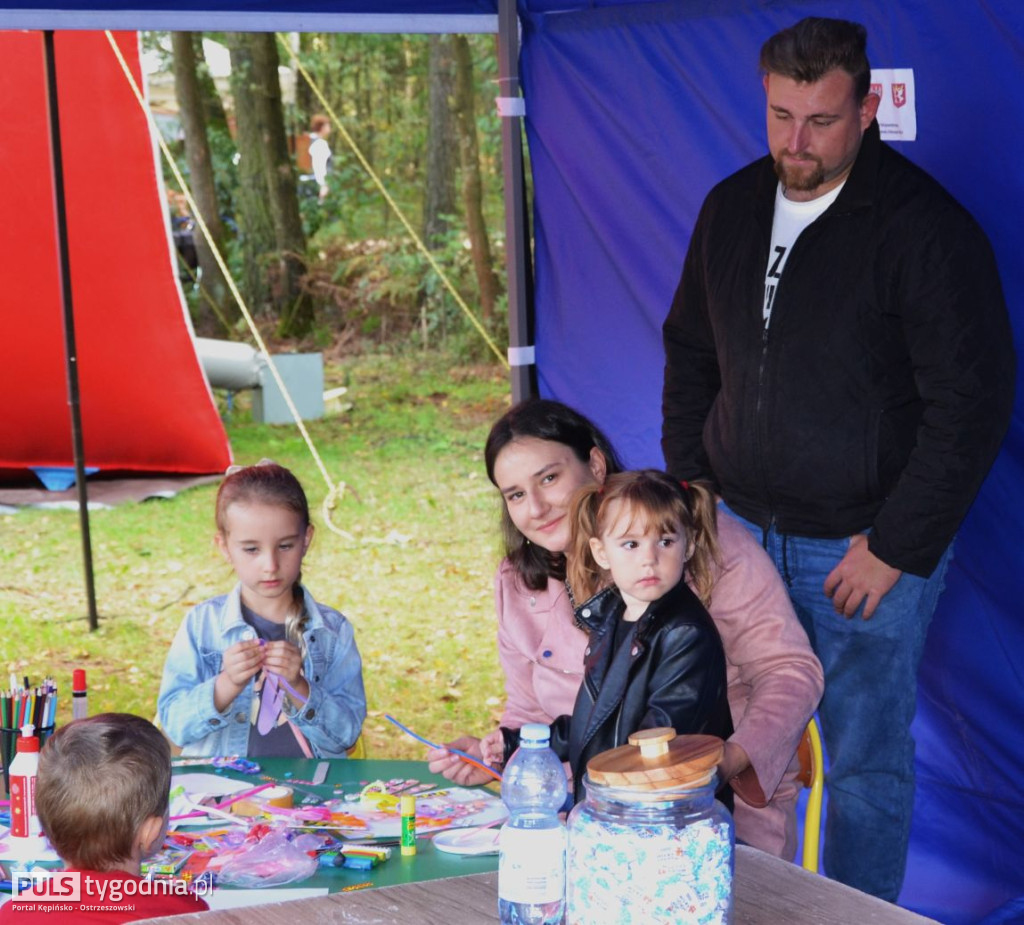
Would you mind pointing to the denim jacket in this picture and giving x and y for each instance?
(332, 718)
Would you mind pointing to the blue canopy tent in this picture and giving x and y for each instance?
(634, 109)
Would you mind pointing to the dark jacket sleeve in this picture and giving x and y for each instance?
(691, 367)
(958, 333)
(559, 739)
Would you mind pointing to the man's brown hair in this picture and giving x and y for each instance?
(809, 49)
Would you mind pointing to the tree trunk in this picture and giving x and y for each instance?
(472, 185)
(212, 307)
(440, 192)
(213, 105)
(256, 229)
(295, 306)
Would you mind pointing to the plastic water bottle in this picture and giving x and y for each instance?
(531, 866)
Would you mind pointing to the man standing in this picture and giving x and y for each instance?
(839, 363)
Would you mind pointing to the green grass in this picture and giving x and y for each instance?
(415, 579)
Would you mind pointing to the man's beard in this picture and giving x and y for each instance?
(801, 180)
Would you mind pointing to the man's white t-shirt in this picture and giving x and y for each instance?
(790, 219)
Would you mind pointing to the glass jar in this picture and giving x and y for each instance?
(660, 857)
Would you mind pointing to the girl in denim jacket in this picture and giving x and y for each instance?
(264, 670)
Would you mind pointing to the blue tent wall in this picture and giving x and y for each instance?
(634, 110)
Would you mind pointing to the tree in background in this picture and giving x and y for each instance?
(212, 313)
(294, 304)
(464, 105)
(255, 226)
(439, 205)
(411, 105)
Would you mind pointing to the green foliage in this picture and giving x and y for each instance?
(373, 289)
(415, 579)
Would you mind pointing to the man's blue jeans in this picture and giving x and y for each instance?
(869, 702)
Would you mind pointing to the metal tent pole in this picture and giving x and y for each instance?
(70, 348)
(522, 368)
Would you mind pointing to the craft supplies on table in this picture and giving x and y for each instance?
(650, 844)
(350, 833)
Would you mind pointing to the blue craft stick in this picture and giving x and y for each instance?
(454, 751)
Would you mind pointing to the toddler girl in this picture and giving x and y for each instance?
(264, 670)
(654, 656)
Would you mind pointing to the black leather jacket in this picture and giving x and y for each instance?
(668, 671)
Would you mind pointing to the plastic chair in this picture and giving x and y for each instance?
(812, 776)
(358, 748)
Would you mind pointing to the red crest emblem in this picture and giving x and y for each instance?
(876, 90)
(899, 95)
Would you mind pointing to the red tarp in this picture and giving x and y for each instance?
(145, 404)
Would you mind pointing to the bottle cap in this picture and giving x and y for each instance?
(28, 741)
(407, 805)
(78, 681)
(535, 735)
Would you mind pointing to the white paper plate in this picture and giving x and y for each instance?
(466, 841)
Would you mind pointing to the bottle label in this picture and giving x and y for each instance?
(23, 806)
(531, 866)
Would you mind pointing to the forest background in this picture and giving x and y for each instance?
(381, 277)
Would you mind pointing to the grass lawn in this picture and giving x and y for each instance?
(415, 579)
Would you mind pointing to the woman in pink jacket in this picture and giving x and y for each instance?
(537, 455)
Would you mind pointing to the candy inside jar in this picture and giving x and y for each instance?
(650, 844)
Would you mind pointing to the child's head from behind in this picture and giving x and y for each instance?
(641, 530)
(102, 791)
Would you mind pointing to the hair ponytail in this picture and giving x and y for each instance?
(704, 525)
(297, 619)
(584, 575)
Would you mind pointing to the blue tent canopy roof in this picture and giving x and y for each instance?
(256, 16)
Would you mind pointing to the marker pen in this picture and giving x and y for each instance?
(79, 695)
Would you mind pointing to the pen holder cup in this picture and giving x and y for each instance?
(9, 748)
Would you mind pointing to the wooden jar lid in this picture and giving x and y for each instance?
(658, 759)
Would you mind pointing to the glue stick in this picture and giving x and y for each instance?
(408, 810)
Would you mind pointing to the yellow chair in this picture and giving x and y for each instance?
(812, 776)
(358, 748)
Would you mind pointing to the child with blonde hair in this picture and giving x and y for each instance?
(265, 669)
(654, 656)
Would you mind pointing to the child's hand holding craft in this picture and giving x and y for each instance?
(285, 660)
(240, 663)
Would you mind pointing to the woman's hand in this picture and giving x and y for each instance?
(453, 768)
